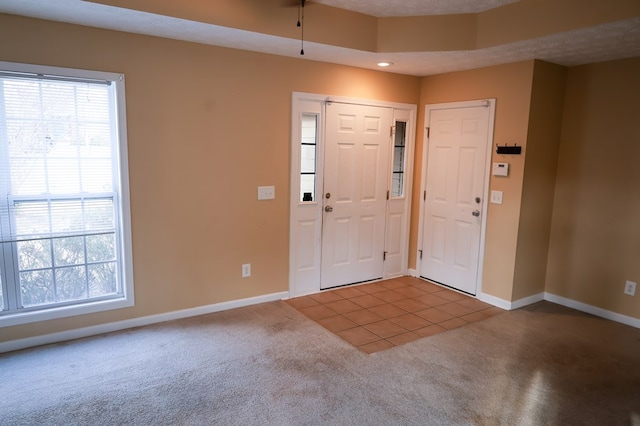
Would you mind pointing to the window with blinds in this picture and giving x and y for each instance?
(63, 193)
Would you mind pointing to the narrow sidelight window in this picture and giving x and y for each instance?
(308, 154)
(399, 147)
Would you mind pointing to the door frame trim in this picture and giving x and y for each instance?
(489, 103)
(308, 281)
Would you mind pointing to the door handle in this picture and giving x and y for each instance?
(328, 209)
(476, 213)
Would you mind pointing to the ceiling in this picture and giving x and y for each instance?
(389, 8)
(613, 40)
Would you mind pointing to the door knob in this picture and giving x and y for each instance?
(328, 209)
(476, 213)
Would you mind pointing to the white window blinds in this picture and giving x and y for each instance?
(58, 158)
(59, 191)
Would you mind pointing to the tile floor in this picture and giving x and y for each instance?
(383, 314)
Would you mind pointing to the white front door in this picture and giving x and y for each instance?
(455, 180)
(357, 150)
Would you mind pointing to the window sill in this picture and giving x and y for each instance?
(12, 319)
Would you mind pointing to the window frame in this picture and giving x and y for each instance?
(124, 255)
(403, 159)
(314, 173)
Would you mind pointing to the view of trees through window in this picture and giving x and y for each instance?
(57, 179)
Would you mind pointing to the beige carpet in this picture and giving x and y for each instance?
(269, 364)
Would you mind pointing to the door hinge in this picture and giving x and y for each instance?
(392, 131)
(428, 131)
(424, 196)
(387, 194)
(420, 251)
(384, 256)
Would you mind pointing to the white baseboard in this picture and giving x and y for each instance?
(509, 306)
(569, 303)
(14, 345)
(412, 272)
(593, 310)
(529, 300)
(495, 301)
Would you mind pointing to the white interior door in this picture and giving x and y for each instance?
(356, 167)
(455, 178)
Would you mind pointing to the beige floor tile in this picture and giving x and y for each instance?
(429, 287)
(411, 322)
(367, 301)
(337, 323)
(318, 312)
(456, 309)
(410, 305)
(371, 288)
(474, 317)
(432, 300)
(302, 302)
(387, 311)
(450, 295)
(434, 315)
(326, 297)
(358, 336)
(430, 330)
(385, 328)
(411, 291)
(390, 296)
(384, 314)
(453, 323)
(343, 306)
(393, 283)
(363, 317)
(376, 346)
(492, 311)
(474, 304)
(404, 338)
(349, 292)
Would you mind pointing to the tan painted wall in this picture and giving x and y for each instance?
(595, 233)
(513, 22)
(427, 33)
(511, 86)
(274, 17)
(541, 160)
(527, 19)
(206, 127)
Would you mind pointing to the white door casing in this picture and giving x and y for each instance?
(453, 213)
(306, 217)
(356, 176)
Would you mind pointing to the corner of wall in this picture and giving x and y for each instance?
(538, 186)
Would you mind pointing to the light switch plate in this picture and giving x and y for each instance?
(496, 197)
(266, 192)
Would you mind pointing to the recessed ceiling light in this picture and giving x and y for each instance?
(385, 64)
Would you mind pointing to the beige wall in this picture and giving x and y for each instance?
(200, 117)
(511, 86)
(595, 233)
(513, 22)
(206, 126)
(541, 160)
